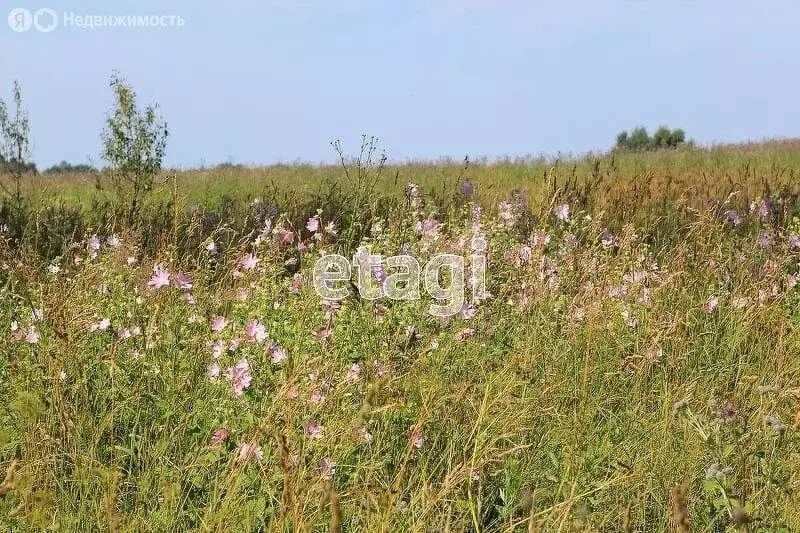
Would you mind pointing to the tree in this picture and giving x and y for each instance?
(68, 168)
(639, 140)
(14, 152)
(134, 142)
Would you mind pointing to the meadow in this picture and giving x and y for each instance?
(635, 365)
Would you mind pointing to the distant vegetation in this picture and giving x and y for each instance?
(68, 168)
(638, 140)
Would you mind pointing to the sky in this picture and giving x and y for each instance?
(269, 81)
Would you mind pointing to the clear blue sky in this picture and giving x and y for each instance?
(276, 80)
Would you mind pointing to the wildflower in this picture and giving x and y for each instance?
(761, 207)
(416, 438)
(794, 241)
(292, 393)
(353, 374)
(313, 224)
(467, 311)
(32, 337)
(218, 437)
(287, 236)
(160, 278)
(711, 305)
(428, 227)
(131, 260)
(732, 217)
(630, 319)
(54, 269)
(414, 190)
(277, 355)
(249, 262)
(249, 452)
(562, 212)
(364, 435)
(93, 244)
(242, 294)
(465, 334)
(124, 333)
(327, 468)
(255, 331)
(606, 238)
(218, 324)
(213, 370)
(524, 253)
(182, 281)
(727, 414)
(113, 241)
(103, 325)
(314, 430)
(775, 423)
(211, 247)
(506, 212)
(296, 284)
(240, 377)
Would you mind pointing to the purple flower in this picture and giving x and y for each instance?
(182, 281)
(277, 355)
(562, 212)
(240, 377)
(160, 278)
(255, 331)
(314, 430)
(218, 324)
(327, 468)
(218, 437)
(313, 224)
(249, 262)
(733, 217)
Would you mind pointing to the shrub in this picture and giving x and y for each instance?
(134, 142)
(639, 140)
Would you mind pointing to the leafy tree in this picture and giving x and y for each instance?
(15, 153)
(134, 142)
(639, 140)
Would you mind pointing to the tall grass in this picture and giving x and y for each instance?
(634, 369)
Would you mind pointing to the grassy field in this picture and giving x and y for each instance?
(635, 365)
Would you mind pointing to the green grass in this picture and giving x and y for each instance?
(598, 388)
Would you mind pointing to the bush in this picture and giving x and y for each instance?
(68, 168)
(639, 140)
(133, 145)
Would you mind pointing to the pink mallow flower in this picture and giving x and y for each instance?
(160, 278)
(314, 430)
(249, 262)
(218, 324)
(313, 224)
(255, 331)
(249, 452)
(218, 437)
(182, 281)
(240, 377)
